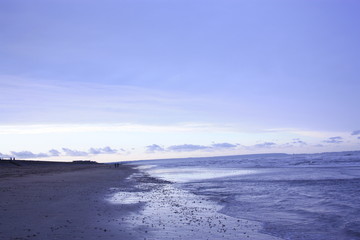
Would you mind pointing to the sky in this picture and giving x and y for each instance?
(118, 80)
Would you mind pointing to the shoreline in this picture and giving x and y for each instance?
(103, 202)
(169, 212)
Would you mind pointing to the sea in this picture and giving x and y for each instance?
(300, 196)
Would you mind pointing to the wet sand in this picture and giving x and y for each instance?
(168, 212)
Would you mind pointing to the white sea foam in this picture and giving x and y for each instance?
(185, 174)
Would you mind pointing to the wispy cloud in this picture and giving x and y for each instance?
(313, 134)
(51, 101)
(54, 152)
(224, 145)
(336, 139)
(74, 153)
(265, 145)
(356, 132)
(191, 147)
(154, 148)
(298, 141)
(110, 127)
(28, 154)
(64, 152)
(104, 150)
(187, 148)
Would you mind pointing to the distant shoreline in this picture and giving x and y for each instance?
(17, 168)
(247, 156)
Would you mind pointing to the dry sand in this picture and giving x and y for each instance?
(60, 201)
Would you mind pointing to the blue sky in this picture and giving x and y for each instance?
(117, 80)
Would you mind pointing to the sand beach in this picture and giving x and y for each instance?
(59, 201)
(98, 201)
